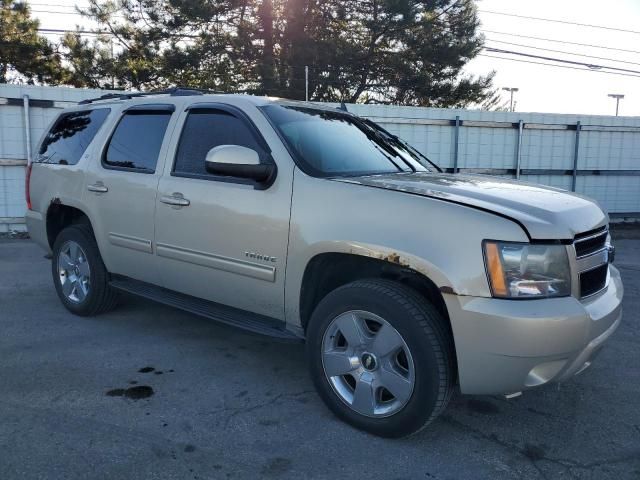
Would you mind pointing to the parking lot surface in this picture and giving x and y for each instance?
(149, 392)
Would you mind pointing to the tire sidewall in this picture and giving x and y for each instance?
(76, 234)
(427, 384)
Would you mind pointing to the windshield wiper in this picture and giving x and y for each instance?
(391, 138)
(383, 144)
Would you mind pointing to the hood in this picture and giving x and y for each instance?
(545, 212)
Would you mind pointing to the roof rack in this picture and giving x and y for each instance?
(173, 91)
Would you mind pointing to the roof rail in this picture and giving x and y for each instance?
(173, 91)
(184, 91)
(107, 96)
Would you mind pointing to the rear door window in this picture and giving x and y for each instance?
(70, 136)
(136, 141)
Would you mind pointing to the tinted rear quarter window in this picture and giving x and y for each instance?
(70, 136)
(136, 141)
(208, 128)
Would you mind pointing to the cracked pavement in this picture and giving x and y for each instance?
(225, 404)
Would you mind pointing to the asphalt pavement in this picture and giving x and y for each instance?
(150, 392)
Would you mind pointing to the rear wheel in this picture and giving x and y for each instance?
(381, 357)
(79, 275)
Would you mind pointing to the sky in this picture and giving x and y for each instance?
(562, 90)
(542, 88)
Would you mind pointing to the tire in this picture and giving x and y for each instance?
(423, 357)
(79, 274)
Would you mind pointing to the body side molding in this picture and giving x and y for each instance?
(227, 264)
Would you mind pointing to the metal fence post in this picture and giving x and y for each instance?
(575, 157)
(27, 127)
(306, 83)
(519, 148)
(455, 145)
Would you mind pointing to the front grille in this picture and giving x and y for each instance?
(592, 260)
(594, 280)
(591, 242)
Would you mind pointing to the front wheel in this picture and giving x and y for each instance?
(79, 275)
(381, 357)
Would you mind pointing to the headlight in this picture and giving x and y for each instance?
(523, 270)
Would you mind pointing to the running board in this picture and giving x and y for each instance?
(234, 317)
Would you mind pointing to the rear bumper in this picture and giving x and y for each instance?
(506, 346)
(37, 226)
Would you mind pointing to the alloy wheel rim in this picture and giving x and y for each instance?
(368, 364)
(74, 272)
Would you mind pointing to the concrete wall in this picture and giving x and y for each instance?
(607, 166)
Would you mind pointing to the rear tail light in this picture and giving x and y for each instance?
(27, 179)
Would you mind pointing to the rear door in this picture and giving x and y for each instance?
(121, 188)
(220, 238)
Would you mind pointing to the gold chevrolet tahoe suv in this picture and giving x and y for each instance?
(308, 223)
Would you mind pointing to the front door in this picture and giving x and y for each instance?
(220, 238)
(121, 187)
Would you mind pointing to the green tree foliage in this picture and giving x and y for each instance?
(390, 51)
(26, 56)
(90, 63)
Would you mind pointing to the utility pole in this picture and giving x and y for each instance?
(618, 97)
(511, 90)
(306, 83)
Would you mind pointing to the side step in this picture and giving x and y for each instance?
(234, 317)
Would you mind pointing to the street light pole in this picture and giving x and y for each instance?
(511, 90)
(618, 97)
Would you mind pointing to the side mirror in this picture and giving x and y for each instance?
(239, 162)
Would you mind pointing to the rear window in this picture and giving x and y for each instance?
(70, 136)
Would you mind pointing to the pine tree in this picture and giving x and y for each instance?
(388, 51)
(26, 56)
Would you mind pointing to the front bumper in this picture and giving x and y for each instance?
(506, 346)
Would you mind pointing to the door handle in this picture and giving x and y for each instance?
(97, 187)
(176, 199)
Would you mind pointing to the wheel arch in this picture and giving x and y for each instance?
(330, 270)
(61, 215)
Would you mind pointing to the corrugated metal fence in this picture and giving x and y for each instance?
(597, 156)
(43, 105)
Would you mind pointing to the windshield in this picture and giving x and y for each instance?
(333, 143)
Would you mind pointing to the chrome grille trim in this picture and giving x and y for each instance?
(590, 244)
(591, 233)
(593, 260)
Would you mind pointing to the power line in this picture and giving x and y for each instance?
(540, 57)
(562, 41)
(33, 4)
(53, 11)
(565, 22)
(52, 31)
(81, 32)
(556, 65)
(116, 15)
(563, 51)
